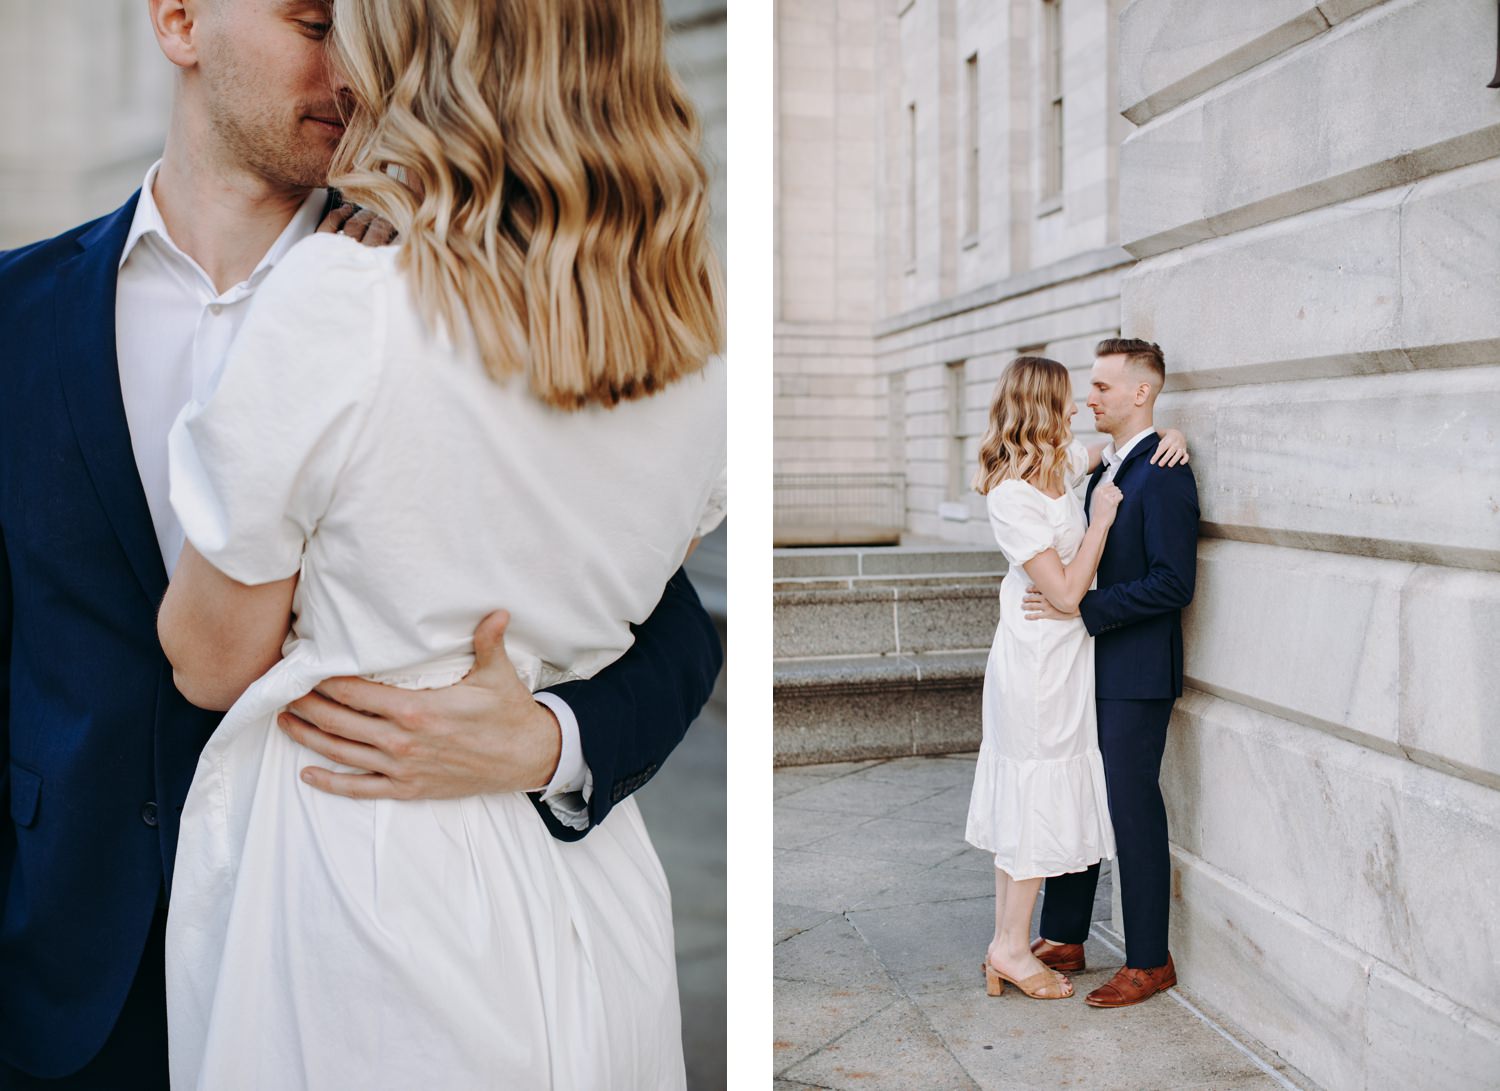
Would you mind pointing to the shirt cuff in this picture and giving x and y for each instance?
(568, 792)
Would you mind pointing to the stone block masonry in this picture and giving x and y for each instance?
(1321, 261)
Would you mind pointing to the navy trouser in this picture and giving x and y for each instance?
(1132, 737)
(134, 1057)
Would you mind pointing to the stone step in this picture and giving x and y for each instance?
(853, 583)
(885, 620)
(846, 708)
(889, 561)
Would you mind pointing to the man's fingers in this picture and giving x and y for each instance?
(352, 785)
(336, 219)
(335, 718)
(333, 747)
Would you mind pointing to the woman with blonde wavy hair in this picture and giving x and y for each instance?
(518, 404)
(1039, 801)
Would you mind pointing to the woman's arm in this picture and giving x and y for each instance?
(220, 635)
(1064, 585)
(1096, 452)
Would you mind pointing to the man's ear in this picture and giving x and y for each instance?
(174, 22)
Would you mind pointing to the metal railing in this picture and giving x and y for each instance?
(839, 509)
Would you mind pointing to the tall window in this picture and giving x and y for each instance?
(1052, 107)
(911, 186)
(958, 479)
(971, 146)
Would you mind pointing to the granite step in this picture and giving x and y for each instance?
(845, 708)
(906, 619)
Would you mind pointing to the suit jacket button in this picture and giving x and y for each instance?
(148, 814)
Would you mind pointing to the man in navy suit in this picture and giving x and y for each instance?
(1146, 577)
(97, 747)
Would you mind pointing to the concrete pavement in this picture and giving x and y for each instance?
(882, 917)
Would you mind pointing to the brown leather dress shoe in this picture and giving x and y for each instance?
(1131, 986)
(1065, 958)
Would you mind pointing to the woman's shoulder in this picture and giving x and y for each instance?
(325, 264)
(1015, 496)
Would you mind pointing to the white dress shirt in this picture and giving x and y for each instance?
(1112, 459)
(173, 329)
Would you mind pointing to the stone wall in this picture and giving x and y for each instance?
(1314, 194)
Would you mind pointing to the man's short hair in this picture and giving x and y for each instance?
(1146, 354)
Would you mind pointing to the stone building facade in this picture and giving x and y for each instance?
(1301, 202)
(947, 197)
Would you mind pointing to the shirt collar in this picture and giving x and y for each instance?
(1114, 457)
(148, 221)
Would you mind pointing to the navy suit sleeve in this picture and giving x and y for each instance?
(1170, 524)
(632, 714)
(5, 627)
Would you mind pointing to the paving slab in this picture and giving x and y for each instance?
(895, 1049)
(797, 827)
(853, 795)
(880, 925)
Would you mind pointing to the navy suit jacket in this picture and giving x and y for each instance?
(97, 747)
(1146, 577)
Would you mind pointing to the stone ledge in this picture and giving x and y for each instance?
(1301, 462)
(1174, 50)
(884, 560)
(892, 620)
(891, 583)
(1341, 1016)
(856, 707)
(1382, 853)
(1416, 285)
(1382, 654)
(1046, 276)
(846, 674)
(1189, 174)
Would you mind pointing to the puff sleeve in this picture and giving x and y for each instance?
(1018, 516)
(716, 506)
(254, 464)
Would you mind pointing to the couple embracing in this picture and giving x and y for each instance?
(1085, 666)
(392, 867)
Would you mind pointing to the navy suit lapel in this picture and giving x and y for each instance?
(1142, 450)
(90, 374)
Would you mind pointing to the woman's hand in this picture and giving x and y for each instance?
(1172, 450)
(1105, 505)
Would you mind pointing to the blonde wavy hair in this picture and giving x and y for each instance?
(540, 161)
(1028, 433)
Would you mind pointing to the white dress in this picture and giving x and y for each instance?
(1039, 801)
(320, 942)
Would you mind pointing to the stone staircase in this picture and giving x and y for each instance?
(880, 651)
